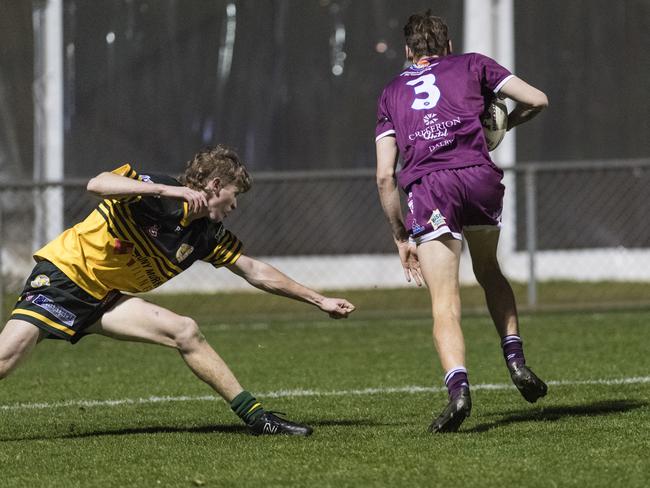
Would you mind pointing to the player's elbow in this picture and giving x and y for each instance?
(248, 268)
(539, 101)
(94, 185)
(524, 94)
(100, 184)
(385, 179)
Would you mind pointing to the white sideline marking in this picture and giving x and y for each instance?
(306, 393)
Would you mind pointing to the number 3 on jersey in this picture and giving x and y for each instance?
(425, 84)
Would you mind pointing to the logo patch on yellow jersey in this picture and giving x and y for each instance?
(183, 251)
(40, 280)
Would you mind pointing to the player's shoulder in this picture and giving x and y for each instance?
(465, 58)
(162, 207)
(215, 230)
(219, 235)
(131, 170)
(478, 58)
(159, 178)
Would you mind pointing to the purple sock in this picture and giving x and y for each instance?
(513, 350)
(456, 380)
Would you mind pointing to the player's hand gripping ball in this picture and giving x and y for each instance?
(495, 122)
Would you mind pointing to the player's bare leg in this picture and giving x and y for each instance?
(134, 319)
(439, 261)
(498, 292)
(17, 340)
(501, 304)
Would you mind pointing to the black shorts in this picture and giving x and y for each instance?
(55, 304)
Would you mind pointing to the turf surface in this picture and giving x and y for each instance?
(587, 432)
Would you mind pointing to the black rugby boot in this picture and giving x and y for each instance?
(527, 382)
(457, 410)
(270, 424)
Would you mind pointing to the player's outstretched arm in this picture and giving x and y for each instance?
(530, 101)
(265, 277)
(111, 185)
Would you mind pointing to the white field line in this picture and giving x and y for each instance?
(306, 393)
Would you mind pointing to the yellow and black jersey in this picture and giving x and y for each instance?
(136, 244)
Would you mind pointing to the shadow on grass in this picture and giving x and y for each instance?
(206, 429)
(552, 414)
(350, 423)
(549, 414)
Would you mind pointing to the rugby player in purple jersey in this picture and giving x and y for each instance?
(430, 114)
(147, 229)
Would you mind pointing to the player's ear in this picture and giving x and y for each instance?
(408, 53)
(214, 185)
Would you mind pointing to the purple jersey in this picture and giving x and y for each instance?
(433, 110)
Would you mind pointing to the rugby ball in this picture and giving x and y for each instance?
(495, 122)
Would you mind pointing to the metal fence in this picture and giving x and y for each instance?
(584, 221)
(565, 222)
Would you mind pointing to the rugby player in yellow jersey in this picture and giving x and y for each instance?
(146, 230)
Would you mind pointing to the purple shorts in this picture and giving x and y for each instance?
(450, 200)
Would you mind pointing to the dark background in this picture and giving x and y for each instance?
(154, 96)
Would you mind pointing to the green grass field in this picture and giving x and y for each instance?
(105, 413)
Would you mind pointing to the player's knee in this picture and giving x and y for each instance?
(187, 334)
(4, 372)
(446, 315)
(6, 366)
(16, 341)
(446, 311)
(487, 272)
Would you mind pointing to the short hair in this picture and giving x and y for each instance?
(426, 34)
(216, 162)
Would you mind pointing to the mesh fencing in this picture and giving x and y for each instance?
(599, 204)
(579, 234)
